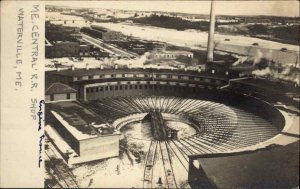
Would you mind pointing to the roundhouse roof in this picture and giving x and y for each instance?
(95, 71)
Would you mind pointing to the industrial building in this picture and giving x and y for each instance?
(102, 33)
(95, 84)
(82, 136)
(60, 49)
(228, 130)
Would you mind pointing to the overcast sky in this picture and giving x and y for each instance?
(280, 8)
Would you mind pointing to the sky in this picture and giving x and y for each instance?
(229, 7)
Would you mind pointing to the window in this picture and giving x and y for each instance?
(68, 95)
(121, 87)
(146, 86)
(140, 86)
(112, 75)
(87, 90)
(106, 88)
(126, 87)
(90, 77)
(101, 88)
(92, 90)
(135, 87)
(116, 87)
(51, 97)
(110, 88)
(130, 86)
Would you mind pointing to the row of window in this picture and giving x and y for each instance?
(172, 55)
(163, 76)
(136, 87)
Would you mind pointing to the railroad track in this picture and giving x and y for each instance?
(109, 48)
(171, 182)
(65, 177)
(148, 170)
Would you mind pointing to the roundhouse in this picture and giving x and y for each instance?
(233, 127)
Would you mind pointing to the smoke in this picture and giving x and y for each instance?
(241, 60)
(287, 74)
(286, 71)
(263, 72)
(137, 62)
(142, 59)
(258, 57)
(255, 60)
(297, 80)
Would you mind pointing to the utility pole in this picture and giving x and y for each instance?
(210, 43)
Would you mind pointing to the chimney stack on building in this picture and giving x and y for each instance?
(210, 43)
(87, 66)
(72, 67)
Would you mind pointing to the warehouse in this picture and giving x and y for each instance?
(81, 136)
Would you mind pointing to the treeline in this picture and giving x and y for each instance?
(281, 33)
(59, 33)
(172, 22)
(289, 34)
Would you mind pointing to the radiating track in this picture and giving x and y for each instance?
(220, 128)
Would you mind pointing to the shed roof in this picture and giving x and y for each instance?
(59, 88)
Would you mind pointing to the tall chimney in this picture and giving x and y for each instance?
(210, 45)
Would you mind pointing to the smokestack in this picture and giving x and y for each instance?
(210, 45)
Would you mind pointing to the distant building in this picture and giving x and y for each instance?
(172, 54)
(66, 49)
(59, 92)
(103, 33)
